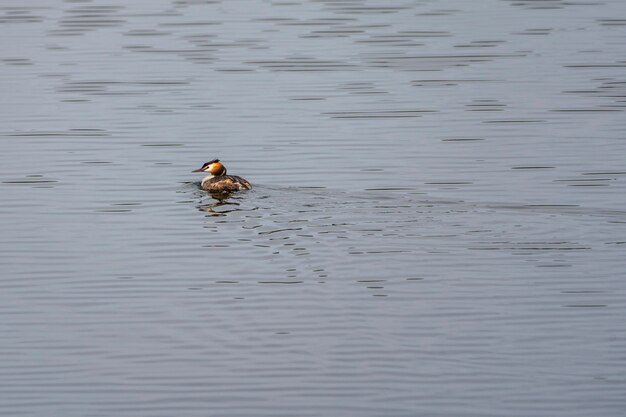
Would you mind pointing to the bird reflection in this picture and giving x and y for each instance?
(221, 206)
(221, 200)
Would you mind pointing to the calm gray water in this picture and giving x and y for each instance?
(437, 228)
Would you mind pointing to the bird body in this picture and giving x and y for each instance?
(218, 181)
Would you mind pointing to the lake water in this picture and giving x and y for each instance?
(437, 225)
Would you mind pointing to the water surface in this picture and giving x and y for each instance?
(437, 225)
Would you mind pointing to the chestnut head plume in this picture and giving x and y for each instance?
(214, 167)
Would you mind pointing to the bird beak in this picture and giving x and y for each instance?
(198, 170)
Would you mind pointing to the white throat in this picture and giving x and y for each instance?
(207, 178)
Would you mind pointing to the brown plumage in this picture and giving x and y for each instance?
(218, 181)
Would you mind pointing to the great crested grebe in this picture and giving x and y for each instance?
(218, 182)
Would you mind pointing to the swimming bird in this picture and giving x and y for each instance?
(218, 182)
